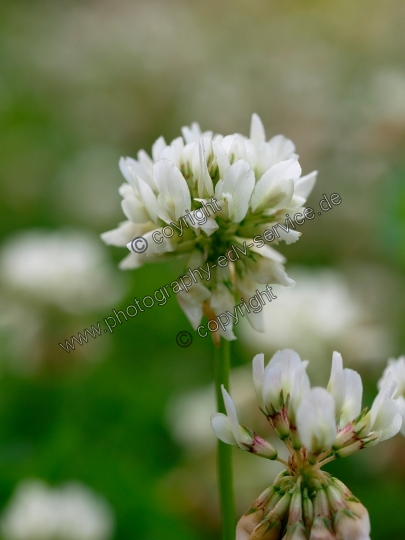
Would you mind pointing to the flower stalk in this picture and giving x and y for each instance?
(224, 455)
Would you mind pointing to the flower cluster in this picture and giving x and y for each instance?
(396, 370)
(256, 184)
(71, 511)
(317, 425)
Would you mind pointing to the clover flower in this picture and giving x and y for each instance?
(396, 370)
(317, 426)
(66, 269)
(253, 183)
(71, 511)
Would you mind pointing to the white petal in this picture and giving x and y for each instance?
(234, 146)
(219, 190)
(131, 168)
(131, 261)
(386, 392)
(397, 369)
(148, 198)
(191, 303)
(256, 320)
(191, 134)
(174, 196)
(239, 181)
(177, 147)
(336, 384)
(221, 425)
(351, 407)
(281, 147)
(209, 227)
(257, 133)
(246, 288)
(392, 429)
(228, 199)
(305, 184)
(288, 237)
(158, 146)
(120, 236)
(147, 164)
(128, 189)
(232, 415)
(166, 246)
(258, 372)
(264, 271)
(276, 187)
(401, 408)
(301, 387)
(134, 209)
(268, 252)
(289, 358)
(125, 170)
(222, 158)
(205, 185)
(221, 301)
(228, 333)
(386, 415)
(279, 375)
(316, 420)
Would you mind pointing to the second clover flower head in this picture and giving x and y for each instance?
(256, 184)
(317, 425)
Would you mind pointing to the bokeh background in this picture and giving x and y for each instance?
(115, 435)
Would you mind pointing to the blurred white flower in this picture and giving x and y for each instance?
(69, 512)
(255, 184)
(65, 269)
(320, 313)
(46, 278)
(396, 371)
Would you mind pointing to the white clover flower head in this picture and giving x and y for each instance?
(395, 370)
(63, 268)
(255, 183)
(69, 512)
(317, 426)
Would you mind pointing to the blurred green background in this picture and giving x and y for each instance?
(84, 82)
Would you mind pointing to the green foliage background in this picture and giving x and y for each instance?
(84, 82)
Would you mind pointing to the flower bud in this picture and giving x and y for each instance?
(321, 504)
(262, 448)
(281, 423)
(345, 436)
(270, 527)
(262, 532)
(308, 510)
(336, 499)
(352, 523)
(344, 489)
(348, 450)
(295, 512)
(263, 499)
(246, 524)
(264, 503)
(296, 532)
(322, 526)
(321, 530)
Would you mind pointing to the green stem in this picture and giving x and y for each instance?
(224, 457)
